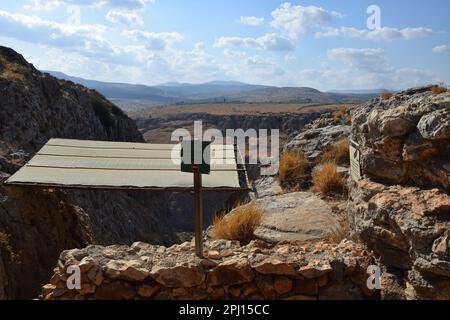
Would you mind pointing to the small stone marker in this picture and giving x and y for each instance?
(355, 164)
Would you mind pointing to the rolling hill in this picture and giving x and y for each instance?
(135, 97)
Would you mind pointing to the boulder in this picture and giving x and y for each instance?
(405, 139)
(147, 290)
(233, 271)
(126, 270)
(115, 290)
(315, 269)
(172, 274)
(282, 284)
(298, 216)
(312, 141)
(274, 266)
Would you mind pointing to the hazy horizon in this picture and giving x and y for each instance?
(216, 81)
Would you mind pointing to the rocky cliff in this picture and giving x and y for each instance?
(35, 225)
(401, 209)
(36, 106)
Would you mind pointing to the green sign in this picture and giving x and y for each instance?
(196, 153)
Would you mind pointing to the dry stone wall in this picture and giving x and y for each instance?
(256, 271)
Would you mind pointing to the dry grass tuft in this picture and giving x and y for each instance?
(328, 181)
(386, 95)
(438, 89)
(342, 231)
(294, 168)
(239, 226)
(11, 71)
(12, 75)
(338, 153)
(341, 114)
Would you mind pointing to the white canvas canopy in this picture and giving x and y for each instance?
(121, 165)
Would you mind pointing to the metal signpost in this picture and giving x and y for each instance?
(196, 158)
(106, 165)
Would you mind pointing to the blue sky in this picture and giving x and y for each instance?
(323, 44)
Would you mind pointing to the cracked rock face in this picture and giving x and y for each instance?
(409, 229)
(317, 136)
(405, 139)
(401, 209)
(35, 225)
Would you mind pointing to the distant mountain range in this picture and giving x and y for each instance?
(132, 96)
(369, 91)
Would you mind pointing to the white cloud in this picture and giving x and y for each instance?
(254, 69)
(86, 40)
(119, 11)
(296, 20)
(118, 4)
(42, 5)
(252, 21)
(121, 4)
(289, 57)
(190, 66)
(132, 64)
(372, 59)
(385, 33)
(37, 30)
(233, 53)
(362, 69)
(125, 17)
(268, 42)
(154, 40)
(327, 78)
(127, 12)
(441, 49)
(199, 46)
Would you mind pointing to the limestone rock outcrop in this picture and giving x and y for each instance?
(401, 209)
(257, 271)
(405, 139)
(317, 136)
(408, 228)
